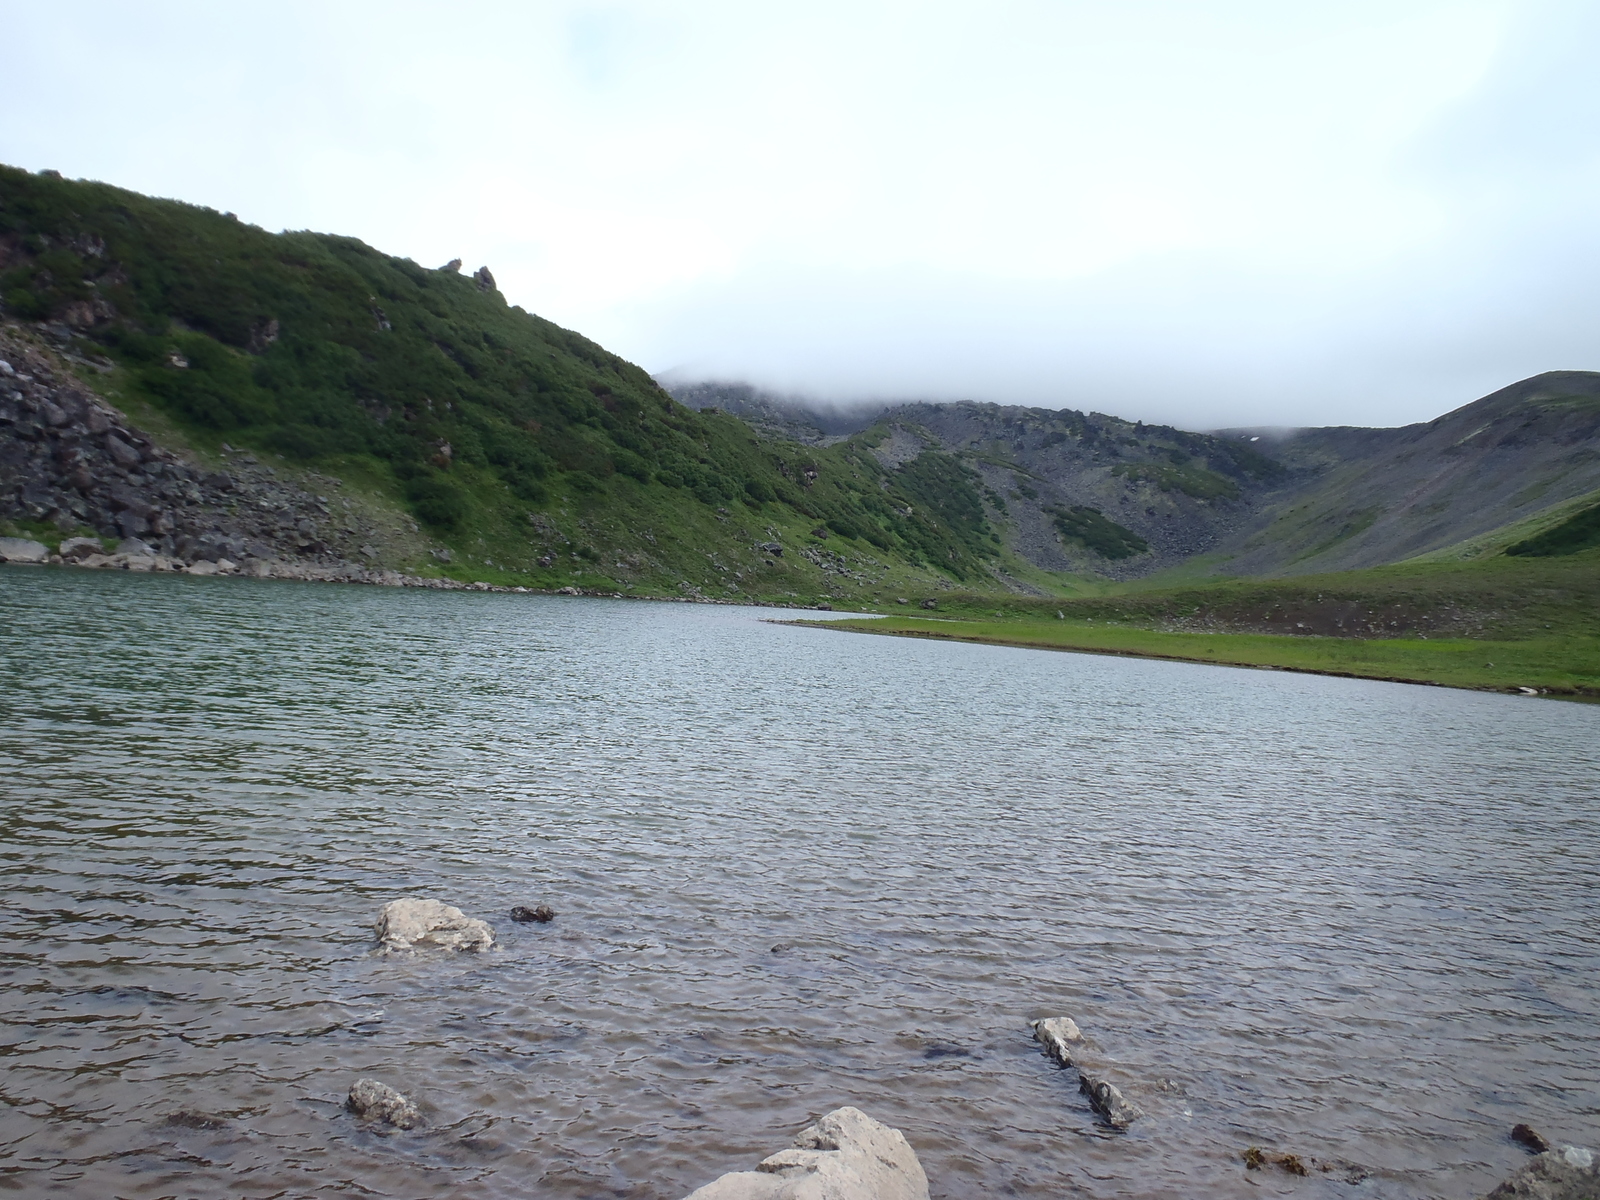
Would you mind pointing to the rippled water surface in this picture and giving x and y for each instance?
(1355, 921)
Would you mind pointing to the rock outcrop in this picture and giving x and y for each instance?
(1570, 1173)
(845, 1156)
(380, 1102)
(417, 924)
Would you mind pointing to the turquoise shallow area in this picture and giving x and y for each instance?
(1351, 920)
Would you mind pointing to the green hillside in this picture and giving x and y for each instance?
(528, 453)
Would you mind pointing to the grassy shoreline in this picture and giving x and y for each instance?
(1561, 665)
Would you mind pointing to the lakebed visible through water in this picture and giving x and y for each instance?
(1354, 921)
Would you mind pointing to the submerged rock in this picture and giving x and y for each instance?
(543, 914)
(413, 923)
(380, 1102)
(1570, 1173)
(845, 1156)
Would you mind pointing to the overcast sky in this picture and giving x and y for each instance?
(1219, 213)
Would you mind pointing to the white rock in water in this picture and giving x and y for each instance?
(1057, 1035)
(844, 1156)
(412, 923)
(23, 550)
(380, 1102)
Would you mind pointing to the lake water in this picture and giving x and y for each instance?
(1359, 922)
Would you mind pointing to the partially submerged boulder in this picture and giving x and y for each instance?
(1119, 1112)
(380, 1102)
(845, 1156)
(1058, 1035)
(1063, 1041)
(414, 924)
(1570, 1173)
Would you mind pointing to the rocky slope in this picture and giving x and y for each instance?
(1365, 497)
(1252, 502)
(70, 460)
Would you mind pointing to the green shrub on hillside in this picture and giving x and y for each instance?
(1199, 482)
(1093, 530)
(1578, 532)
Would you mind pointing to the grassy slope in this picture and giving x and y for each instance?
(1499, 623)
(508, 439)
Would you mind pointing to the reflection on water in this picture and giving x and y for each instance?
(794, 869)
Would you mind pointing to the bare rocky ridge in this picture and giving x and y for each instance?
(1364, 497)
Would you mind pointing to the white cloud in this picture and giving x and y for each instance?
(1243, 211)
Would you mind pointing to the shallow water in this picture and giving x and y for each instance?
(794, 869)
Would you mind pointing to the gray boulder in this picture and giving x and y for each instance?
(23, 550)
(1570, 1173)
(135, 548)
(416, 924)
(78, 547)
(380, 1102)
(845, 1156)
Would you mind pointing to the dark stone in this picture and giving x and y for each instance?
(1527, 1136)
(543, 914)
(121, 453)
(483, 279)
(930, 604)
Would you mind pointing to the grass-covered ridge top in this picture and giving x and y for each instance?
(476, 415)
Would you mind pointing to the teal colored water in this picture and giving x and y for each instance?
(1359, 922)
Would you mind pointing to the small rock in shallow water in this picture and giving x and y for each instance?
(380, 1102)
(1057, 1035)
(542, 914)
(412, 923)
(1528, 1136)
(1119, 1112)
(845, 1156)
(1566, 1174)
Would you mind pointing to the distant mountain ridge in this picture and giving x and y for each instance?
(1245, 501)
